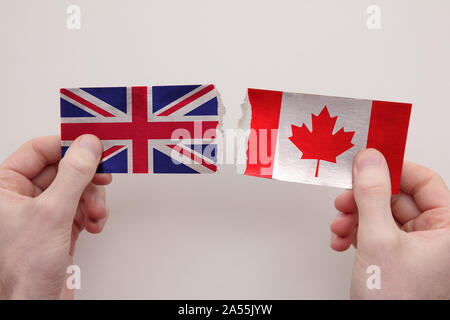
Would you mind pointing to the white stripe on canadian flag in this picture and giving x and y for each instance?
(314, 139)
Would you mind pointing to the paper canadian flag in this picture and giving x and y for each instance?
(159, 129)
(314, 139)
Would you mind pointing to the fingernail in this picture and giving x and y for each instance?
(101, 223)
(90, 143)
(368, 158)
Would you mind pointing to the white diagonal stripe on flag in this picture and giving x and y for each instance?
(79, 105)
(113, 154)
(187, 95)
(194, 104)
(100, 103)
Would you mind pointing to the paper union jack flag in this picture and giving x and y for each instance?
(159, 129)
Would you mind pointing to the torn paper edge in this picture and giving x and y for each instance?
(221, 110)
(244, 127)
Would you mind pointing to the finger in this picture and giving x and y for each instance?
(355, 239)
(17, 183)
(80, 216)
(75, 171)
(48, 174)
(344, 224)
(45, 177)
(95, 202)
(341, 243)
(77, 226)
(404, 207)
(438, 218)
(102, 179)
(426, 186)
(33, 156)
(97, 212)
(96, 226)
(92, 212)
(345, 202)
(372, 192)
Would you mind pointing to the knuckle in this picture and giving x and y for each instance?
(434, 176)
(14, 182)
(9, 182)
(371, 189)
(436, 219)
(429, 219)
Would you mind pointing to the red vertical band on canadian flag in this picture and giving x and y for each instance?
(387, 133)
(265, 106)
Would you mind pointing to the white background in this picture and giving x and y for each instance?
(225, 236)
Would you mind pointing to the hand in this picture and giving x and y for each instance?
(44, 205)
(407, 235)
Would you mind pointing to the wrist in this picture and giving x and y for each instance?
(26, 286)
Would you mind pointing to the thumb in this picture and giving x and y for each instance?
(75, 171)
(372, 192)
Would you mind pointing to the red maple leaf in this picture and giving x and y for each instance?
(321, 143)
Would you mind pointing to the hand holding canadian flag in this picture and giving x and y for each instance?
(407, 236)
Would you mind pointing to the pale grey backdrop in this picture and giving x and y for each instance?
(224, 236)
